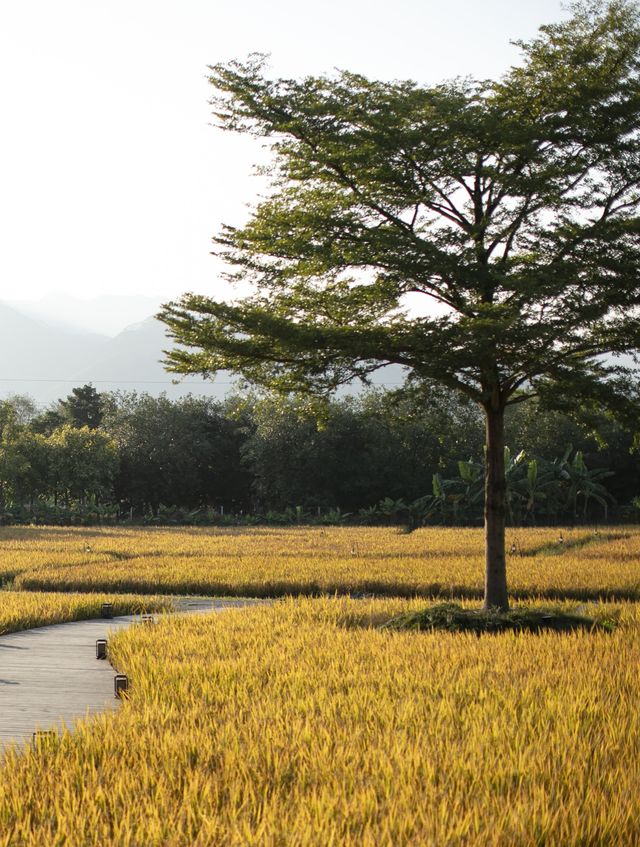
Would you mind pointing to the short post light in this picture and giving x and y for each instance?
(107, 610)
(43, 736)
(101, 648)
(121, 685)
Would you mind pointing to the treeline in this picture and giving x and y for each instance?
(401, 457)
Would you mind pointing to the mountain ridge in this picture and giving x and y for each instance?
(45, 360)
(108, 314)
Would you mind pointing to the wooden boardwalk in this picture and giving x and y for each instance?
(50, 675)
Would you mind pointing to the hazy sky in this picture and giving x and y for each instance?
(111, 179)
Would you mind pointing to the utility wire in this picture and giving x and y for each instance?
(145, 381)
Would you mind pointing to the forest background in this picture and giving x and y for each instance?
(382, 457)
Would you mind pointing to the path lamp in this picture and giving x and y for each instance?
(43, 736)
(107, 610)
(101, 648)
(121, 685)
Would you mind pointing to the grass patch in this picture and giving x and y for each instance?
(451, 617)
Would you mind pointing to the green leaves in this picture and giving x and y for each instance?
(505, 213)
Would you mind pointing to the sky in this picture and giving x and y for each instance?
(112, 180)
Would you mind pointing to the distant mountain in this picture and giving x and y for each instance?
(46, 350)
(132, 361)
(106, 315)
(46, 361)
(32, 353)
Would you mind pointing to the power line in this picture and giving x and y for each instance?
(119, 381)
(177, 383)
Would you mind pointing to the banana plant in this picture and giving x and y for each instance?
(532, 485)
(586, 484)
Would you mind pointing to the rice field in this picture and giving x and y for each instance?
(431, 562)
(302, 724)
(27, 609)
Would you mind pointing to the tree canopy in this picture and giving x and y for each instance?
(482, 234)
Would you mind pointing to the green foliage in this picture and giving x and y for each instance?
(183, 453)
(44, 512)
(257, 459)
(82, 461)
(48, 421)
(356, 451)
(70, 463)
(83, 407)
(510, 204)
(537, 489)
(454, 618)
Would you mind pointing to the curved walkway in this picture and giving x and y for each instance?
(50, 675)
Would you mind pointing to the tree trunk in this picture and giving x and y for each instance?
(495, 581)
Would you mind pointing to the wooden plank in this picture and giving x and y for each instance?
(52, 676)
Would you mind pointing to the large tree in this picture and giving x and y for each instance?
(484, 235)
